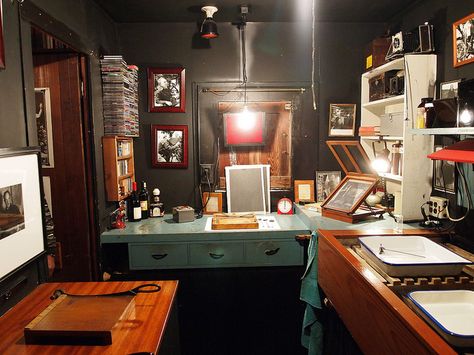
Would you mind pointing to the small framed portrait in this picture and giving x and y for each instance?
(166, 90)
(2, 48)
(211, 202)
(449, 89)
(169, 146)
(443, 174)
(304, 191)
(326, 183)
(44, 126)
(463, 41)
(350, 193)
(342, 120)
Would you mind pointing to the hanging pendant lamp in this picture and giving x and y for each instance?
(209, 26)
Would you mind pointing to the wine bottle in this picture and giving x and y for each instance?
(136, 214)
(144, 200)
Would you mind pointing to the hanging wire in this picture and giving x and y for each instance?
(313, 50)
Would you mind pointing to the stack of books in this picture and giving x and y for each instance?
(369, 130)
(120, 96)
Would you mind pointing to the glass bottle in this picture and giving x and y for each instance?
(420, 114)
(430, 113)
(144, 200)
(136, 209)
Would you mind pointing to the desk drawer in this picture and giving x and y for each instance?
(221, 253)
(155, 256)
(275, 253)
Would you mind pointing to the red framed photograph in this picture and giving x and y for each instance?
(169, 146)
(2, 48)
(166, 90)
(463, 41)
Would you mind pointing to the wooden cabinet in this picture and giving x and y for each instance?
(119, 168)
(395, 115)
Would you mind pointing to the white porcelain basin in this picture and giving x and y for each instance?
(450, 313)
(411, 256)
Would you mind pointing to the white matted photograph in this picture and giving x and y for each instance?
(326, 183)
(342, 120)
(44, 126)
(21, 212)
(448, 89)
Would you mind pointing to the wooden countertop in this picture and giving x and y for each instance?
(151, 314)
(379, 321)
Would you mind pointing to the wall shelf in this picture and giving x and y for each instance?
(443, 131)
(420, 75)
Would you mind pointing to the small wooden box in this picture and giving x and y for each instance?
(376, 52)
(222, 221)
(379, 86)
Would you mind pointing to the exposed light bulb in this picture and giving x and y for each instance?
(247, 120)
(466, 117)
(381, 165)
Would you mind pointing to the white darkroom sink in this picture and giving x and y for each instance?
(411, 256)
(449, 312)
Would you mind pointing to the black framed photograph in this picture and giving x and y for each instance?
(21, 208)
(44, 126)
(326, 183)
(169, 146)
(449, 89)
(342, 120)
(350, 193)
(463, 41)
(166, 90)
(444, 177)
(2, 48)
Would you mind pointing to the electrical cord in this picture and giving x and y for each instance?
(469, 199)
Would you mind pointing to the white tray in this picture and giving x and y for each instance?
(412, 256)
(450, 313)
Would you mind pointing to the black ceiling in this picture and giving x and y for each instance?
(260, 10)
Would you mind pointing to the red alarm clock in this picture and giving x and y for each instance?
(285, 206)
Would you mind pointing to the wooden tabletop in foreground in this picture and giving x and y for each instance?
(150, 318)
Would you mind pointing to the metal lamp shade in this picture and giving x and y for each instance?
(209, 29)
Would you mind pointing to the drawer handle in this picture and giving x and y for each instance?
(216, 256)
(272, 251)
(159, 256)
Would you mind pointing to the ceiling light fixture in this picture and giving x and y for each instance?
(209, 26)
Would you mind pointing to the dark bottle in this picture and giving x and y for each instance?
(136, 209)
(144, 200)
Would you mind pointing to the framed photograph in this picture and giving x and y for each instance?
(44, 126)
(443, 174)
(350, 193)
(326, 183)
(342, 120)
(21, 208)
(304, 191)
(169, 146)
(2, 48)
(463, 41)
(166, 90)
(212, 202)
(449, 89)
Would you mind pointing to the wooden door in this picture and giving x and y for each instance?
(60, 73)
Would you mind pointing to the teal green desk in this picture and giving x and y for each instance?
(160, 243)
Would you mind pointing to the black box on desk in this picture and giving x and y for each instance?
(183, 214)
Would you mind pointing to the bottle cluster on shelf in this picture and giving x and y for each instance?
(120, 96)
(139, 205)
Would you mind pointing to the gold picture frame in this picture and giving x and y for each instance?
(304, 191)
(212, 202)
(342, 120)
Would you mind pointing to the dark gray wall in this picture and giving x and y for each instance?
(276, 52)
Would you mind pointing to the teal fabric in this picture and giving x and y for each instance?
(312, 332)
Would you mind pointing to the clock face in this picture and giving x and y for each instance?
(285, 206)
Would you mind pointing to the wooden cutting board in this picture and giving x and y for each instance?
(79, 320)
(222, 221)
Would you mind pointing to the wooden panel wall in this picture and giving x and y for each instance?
(60, 73)
(277, 149)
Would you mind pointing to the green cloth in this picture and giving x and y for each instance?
(312, 332)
